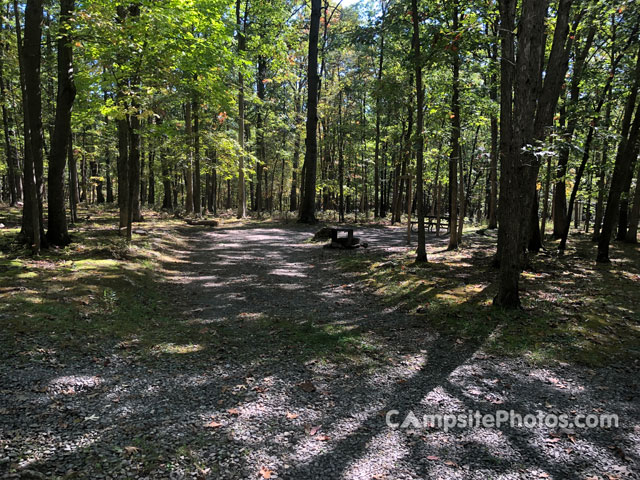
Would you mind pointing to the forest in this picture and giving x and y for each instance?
(176, 296)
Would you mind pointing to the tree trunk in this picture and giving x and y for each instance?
(58, 233)
(74, 196)
(376, 176)
(123, 173)
(29, 57)
(241, 31)
(261, 90)
(623, 161)
(197, 195)
(421, 254)
(455, 157)
(518, 172)
(151, 197)
(293, 197)
(189, 171)
(308, 201)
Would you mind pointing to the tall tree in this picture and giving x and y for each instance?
(421, 254)
(241, 25)
(518, 173)
(57, 233)
(308, 201)
(29, 52)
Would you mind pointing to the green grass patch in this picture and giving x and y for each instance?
(95, 295)
(574, 310)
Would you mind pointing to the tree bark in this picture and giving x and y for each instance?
(376, 179)
(421, 254)
(29, 57)
(197, 194)
(308, 201)
(455, 157)
(518, 164)
(189, 170)
(58, 233)
(241, 31)
(74, 196)
(261, 90)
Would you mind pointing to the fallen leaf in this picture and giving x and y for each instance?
(213, 424)
(233, 411)
(265, 472)
(323, 438)
(292, 416)
(310, 430)
(131, 450)
(433, 458)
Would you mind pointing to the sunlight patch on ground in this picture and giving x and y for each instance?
(172, 348)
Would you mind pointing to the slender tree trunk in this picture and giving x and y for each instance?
(197, 194)
(421, 254)
(261, 90)
(241, 31)
(134, 166)
(189, 170)
(308, 201)
(456, 156)
(493, 167)
(376, 179)
(151, 197)
(123, 172)
(545, 207)
(293, 197)
(73, 182)
(58, 233)
(340, 160)
(29, 59)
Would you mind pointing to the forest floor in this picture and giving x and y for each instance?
(248, 351)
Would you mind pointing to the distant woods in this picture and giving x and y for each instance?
(523, 115)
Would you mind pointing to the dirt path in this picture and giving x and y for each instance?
(293, 378)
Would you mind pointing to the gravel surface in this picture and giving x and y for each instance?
(257, 409)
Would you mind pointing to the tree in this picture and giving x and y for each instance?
(308, 201)
(29, 53)
(57, 233)
(421, 254)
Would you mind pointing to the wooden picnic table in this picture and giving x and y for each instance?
(348, 231)
(431, 222)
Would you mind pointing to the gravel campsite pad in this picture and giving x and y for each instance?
(296, 371)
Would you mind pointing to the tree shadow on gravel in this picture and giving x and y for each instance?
(281, 361)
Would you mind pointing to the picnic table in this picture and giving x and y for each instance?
(347, 242)
(432, 221)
